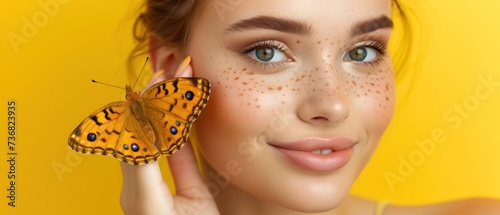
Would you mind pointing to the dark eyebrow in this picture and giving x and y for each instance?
(371, 25)
(273, 23)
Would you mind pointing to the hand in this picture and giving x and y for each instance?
(145, 192)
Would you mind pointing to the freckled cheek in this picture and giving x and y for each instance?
(375, 96)
(238, 109)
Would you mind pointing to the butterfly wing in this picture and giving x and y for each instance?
(113, 130)
(175, 104)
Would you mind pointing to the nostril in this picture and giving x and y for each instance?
(320, 118)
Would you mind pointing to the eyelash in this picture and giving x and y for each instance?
(266, 43)
(380, 47)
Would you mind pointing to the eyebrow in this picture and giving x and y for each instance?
(272, 23)
(371, 25)
(302, 28)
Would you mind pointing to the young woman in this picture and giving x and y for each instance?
(302, 92)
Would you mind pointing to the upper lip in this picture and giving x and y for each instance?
(314, 143)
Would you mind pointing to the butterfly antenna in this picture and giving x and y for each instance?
(98, 82)
(142, 70)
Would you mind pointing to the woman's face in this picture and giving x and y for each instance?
(301, 94)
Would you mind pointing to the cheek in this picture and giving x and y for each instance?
(374, 98)
(240, 106)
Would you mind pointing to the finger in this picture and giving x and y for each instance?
(144, 189)
(149, 180)
(184, 168)
(128, 186)
(184, 69)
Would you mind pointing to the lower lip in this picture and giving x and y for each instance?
(317, 162)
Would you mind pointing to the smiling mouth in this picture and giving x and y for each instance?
(316, 154)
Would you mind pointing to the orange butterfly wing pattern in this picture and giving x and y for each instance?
(143, 128)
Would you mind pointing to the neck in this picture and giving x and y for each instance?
(233, 200)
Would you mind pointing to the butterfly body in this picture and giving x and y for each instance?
(139, 130)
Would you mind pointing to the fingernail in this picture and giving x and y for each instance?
(157, 74)
(183, 65)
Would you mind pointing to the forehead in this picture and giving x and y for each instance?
(320, 14)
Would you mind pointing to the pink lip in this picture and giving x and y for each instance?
(300, 153)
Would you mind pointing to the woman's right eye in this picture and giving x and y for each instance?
(268, 53)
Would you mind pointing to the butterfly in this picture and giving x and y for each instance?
(139, 130)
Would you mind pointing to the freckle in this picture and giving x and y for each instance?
(369, 90)
(378, 92)
(251, 73)
(327, 84)
(248, 103)
(250, 89)
(279, 88)
(298, 41)
(387, 87)
(316, 69)
(229, 68)
(331, 43)
(328, 55)
(326, 39)
(387, 98)
(282, 102)
(234, 72)
(270, 88)
(297, 80)
(241, 94)
(358, 95)
(372, 84)
(244, 69)
(218, 82)
(303, 76)
(354, 82)
(366, 94)
(245, 83)
(258, 106)
(319, 41)
(236, 78)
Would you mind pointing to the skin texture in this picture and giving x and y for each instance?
(313, 90)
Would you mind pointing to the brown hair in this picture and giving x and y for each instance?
(170, 20)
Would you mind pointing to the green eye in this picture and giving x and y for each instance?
(267, 52)
(362, 53)
(264, 53)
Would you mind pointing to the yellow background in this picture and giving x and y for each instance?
(49, 78)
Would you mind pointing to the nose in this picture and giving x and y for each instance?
(325, 102)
